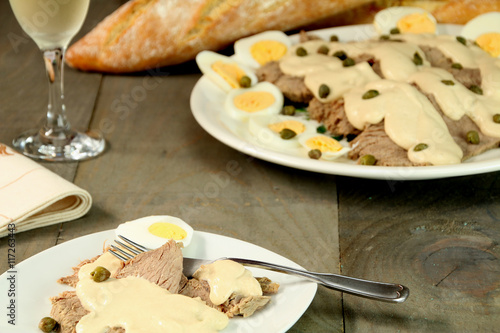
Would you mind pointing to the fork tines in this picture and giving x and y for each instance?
(133, 250)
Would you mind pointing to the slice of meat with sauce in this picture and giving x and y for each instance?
(162, 266)
(72, 280)
(236, 304)
(458, 130)
(332, 115)
(292, 87)
(466, 76)
(67, 311)
(374, 141)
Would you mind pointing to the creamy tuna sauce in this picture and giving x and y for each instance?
(226, 277)
(410, 118)
(128, 301)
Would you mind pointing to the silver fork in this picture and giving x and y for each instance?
(389, 292)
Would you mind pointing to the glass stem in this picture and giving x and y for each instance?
(56, 125)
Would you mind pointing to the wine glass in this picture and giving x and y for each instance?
(52, 24)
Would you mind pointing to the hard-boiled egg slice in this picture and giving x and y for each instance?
(262, 99)
(405, 19)
(154, 231)
(223, 71)
(329, 147)
(257, 50)
(485, 31)
(267, 130)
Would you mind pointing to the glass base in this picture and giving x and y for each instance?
(72, 146)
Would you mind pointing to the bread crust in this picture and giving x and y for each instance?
(462, 11)
(145, 34)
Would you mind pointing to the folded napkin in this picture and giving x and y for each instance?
(32, 196)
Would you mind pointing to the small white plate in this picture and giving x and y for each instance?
(207, 103)
(35, 281)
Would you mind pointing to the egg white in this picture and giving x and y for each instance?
(387, 19)
(489, 22)
(328, 155)
(258, 127)
(242, 46)
(137, 231)
(205, 59)
(236, 113)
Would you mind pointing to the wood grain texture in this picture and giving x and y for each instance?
(162, 162)
(24, 97)
(440, 238)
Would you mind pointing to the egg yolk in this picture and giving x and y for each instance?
(490, 42)
(167, 230)
(231, 73)
(416, 23)
(293, 125)
(267, 50)
(323, 143)
(254, 101)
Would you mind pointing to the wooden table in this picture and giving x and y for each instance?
(438, 237)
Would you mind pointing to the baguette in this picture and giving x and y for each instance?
(145, 34)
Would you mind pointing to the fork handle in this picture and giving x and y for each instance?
(390, 292)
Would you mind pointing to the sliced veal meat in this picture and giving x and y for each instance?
(374, 62)
(236, 304)
(268, 287)
(374, 141)
(305, 36)
(162, 266)
(332, 114)
(196, 288)
(458, 130)
(67, 311)
(292, 87)
(269, 72)
(72, 280)
(466, 76)
(243, 306)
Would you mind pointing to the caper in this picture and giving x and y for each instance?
(287, 134)
(48, 324)
(420, 147)
(334, 38)
(315, 154)
(321, 129)
(100, 274)
(417, 59)
(370, 94)
(301, 52)
(448, 82)
(456, 65)
(476, 89)
(348, 62)
(288, 110)
(367, 160)
(323, 49)
(385, 37)
(394, 31)
(472, 137)
(496, 118)
(340, 54)
(245, 82)
(323, 91)
(462, 40)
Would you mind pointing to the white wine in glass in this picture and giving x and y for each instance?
(52, 24)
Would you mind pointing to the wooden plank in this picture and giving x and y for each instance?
(24, 97)
(440, 238)
(161, 161)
